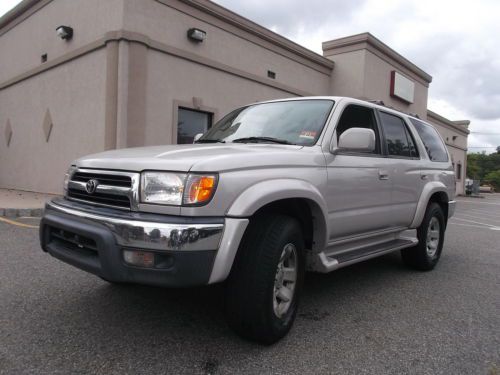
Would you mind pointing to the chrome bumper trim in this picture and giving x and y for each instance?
(152, 235)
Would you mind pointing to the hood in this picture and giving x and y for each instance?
(196, 157)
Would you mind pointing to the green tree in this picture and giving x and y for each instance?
(493, 178)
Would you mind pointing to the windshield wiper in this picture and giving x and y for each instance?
(210, 141)
(263, 139)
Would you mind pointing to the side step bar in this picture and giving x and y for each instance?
(326, 263)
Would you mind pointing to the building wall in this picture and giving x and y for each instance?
(77, 111)
(23, 44)
(167, 22)
(455, 137)
(377, 85)
(214, 90)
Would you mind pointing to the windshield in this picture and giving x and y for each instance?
(297, 122)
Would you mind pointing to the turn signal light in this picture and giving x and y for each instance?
(199, 189)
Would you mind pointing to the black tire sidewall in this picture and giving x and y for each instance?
(284, 323)
(434, 210)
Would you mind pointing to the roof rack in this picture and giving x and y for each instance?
(379, 102)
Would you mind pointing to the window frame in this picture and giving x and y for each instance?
(378, 134)
(194, 105)
(408, 133)
(449, 157)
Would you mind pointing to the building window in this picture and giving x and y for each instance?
(459, 171)
(190, 123)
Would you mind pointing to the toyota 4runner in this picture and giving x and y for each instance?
(272, 190)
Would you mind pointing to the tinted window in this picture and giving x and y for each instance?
(398, 140)
(432, 142)
(356, 116)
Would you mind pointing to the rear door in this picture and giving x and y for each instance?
(404, 166)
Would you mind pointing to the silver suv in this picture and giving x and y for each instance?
(272, 190)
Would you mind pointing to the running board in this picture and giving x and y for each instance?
(326, 263)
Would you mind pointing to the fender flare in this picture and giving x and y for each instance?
(265, 192)
(428, 190)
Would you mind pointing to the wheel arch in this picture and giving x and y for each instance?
(296, 198)
(432, 192)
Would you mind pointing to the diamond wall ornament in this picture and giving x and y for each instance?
(8, 133)
(47, 125)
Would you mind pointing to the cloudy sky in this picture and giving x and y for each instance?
(456, 41)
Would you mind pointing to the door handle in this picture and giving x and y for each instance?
(383, 175)
(424, 176)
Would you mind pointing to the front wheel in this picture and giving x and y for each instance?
(262, 291)
(430, 233)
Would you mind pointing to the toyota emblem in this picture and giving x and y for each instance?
(91, 186)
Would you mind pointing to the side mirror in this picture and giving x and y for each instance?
(356, 140)
(197, 136)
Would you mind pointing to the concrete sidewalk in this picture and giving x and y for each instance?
(18, 203)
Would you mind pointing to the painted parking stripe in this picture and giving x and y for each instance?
(471, 202)
(480, 212)
(471, 225)
(479, 216)
(477, 222)
(12, 222)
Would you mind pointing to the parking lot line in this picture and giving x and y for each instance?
(470, 225)
(494, 227)
(12, 222)
(480, 212)
(479, 216)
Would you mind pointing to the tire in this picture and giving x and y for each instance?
(257, 308)
(426, 254)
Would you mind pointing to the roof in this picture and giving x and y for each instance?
(460, 125)
(17, 11)
(369, 40)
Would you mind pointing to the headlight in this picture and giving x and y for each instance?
(68, 176)
(162, 188)
(177, 188)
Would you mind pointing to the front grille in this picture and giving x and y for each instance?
(105, 179)
(114, 189)
(74, 242)
(100, 198)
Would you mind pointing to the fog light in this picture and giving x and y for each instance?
(139, 258)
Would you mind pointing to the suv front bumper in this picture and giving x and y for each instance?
(94, 239)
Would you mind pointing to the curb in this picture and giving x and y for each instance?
(21, 212)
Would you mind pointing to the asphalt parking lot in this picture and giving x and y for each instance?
(372, 318)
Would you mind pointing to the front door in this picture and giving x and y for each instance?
(359, 184)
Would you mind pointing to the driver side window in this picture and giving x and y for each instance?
(356, 116)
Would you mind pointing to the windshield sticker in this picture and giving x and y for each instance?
(308, 134)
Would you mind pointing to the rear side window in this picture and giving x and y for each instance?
(399, 141)
(432, 142)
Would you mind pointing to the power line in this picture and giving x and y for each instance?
(484, 133)
(481, 146)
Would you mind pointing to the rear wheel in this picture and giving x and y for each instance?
(426, 254)
(262, 292)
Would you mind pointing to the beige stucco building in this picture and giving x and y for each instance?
(130, 76)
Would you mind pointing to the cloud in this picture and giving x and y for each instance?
(454, 41)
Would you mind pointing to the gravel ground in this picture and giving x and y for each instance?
(376, 317)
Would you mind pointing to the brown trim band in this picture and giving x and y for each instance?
(154, 45)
